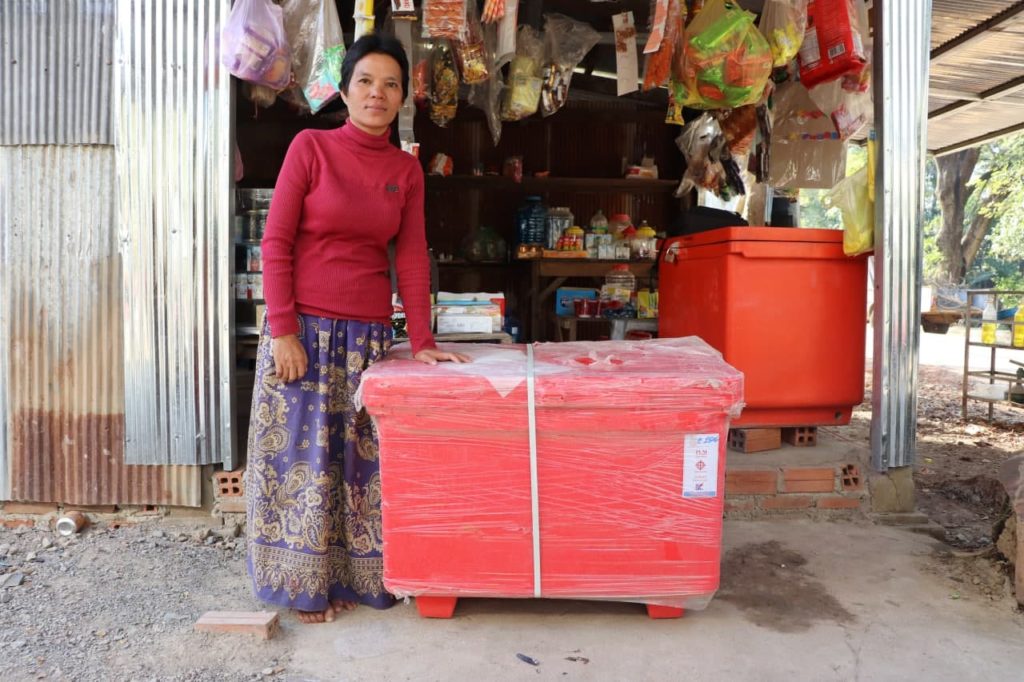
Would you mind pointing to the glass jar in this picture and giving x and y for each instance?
(560, 219)
(644, 244)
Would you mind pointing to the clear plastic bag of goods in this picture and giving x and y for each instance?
(253, 46)
(725, 61)
(567, 42)
(321, 79)
(805, 151)
(628, 452)
(444, 19)
(522, 89)
(783, 24)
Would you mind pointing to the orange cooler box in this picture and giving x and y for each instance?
(630, 472)
(785, 306)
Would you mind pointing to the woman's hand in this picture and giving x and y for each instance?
(290, 359)
(432, 356)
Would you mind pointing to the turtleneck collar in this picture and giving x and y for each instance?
(354, 134)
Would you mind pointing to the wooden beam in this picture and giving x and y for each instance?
(980, 139)
(991, 95)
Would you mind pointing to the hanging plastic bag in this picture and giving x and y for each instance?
(783, 24)
(725, 61)
(522, 91)
(833, 46)
(851, 197)
(709, 163)
(444, 99)
(321, 81)
(470, 52)
(806, 151)
(847, 100)
(422, 56)
(253, 46)
(567, 42)
(487, 95)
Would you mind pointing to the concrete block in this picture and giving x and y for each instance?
(893, 491)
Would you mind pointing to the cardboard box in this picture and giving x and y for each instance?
(465, 324)
(564, 297)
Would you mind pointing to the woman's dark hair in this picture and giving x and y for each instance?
(375, 43)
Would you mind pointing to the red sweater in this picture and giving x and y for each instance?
(341, 196)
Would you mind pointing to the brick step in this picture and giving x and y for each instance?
(772, 438)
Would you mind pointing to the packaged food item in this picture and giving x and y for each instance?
(567, 42)
(444, 19)
(783, 23)
(421, 72)
(253, 44)
(445, 93)
(661, 49)
(321, 80)
(725, 61)
(440, 164)
(833, 45)
(470, 52)
(522, 90)
(494, 10)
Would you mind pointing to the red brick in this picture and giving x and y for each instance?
(749, 481)
(261, 623)
(808, 480)
(14, 523)
(784, 502)
(838, 502)
(29, 508)
(740, 505)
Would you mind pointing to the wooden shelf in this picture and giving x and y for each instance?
(471, 264)
(533, 185)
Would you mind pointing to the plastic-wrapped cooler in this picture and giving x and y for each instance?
(590, 470)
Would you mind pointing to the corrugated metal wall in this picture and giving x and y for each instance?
(61, 377)
(56, 72)
(901, 88)
(173, 128)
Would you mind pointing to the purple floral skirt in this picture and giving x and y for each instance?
(313, 476)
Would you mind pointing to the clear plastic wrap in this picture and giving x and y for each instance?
(630, 455)
(487, 96)
(725, 61)
(444, 19)
(422, 72)
(806, 151)
(783, 24)
(847, 100)
(471, 54)
(522, 92)
(253, 45)
(567, 42)
(709, 162)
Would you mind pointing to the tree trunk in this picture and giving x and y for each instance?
(978, 229)
(954, 173)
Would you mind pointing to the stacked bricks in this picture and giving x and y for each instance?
(787, 489)
(229, 491)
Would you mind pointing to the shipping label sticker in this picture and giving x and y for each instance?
(700, 465)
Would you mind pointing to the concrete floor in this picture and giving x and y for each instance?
(870, 603)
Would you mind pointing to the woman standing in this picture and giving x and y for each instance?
(312, 479)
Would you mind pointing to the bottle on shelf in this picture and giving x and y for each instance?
(560, 219)
(531, 221)
(988, 323)
(1018, 326)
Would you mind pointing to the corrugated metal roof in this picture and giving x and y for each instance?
(56, 71)
(173, 120)
(977, 72)
(61, 330)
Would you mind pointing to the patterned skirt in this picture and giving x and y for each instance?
(313, 477)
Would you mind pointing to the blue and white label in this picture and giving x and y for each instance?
(700, 465)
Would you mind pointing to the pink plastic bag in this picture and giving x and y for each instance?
(253, 46)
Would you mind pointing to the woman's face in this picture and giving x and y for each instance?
(375, 93)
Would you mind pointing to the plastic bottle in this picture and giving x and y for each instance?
(988, 323)
(619, 283)
(560, 219)
(598, 222)
(1018, 328)
(531, 221)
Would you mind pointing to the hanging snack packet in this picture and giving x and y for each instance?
(422, 57)
(522, 90)
(444, 99)
(470, 53)
(658, 66)
(567, 41)
(444, 19)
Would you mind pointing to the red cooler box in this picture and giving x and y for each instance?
(621, 501)
(785, 306)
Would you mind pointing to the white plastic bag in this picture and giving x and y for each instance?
(253, 46)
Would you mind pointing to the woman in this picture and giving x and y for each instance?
(313, 482)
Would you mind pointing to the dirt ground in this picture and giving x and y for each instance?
(117, 602)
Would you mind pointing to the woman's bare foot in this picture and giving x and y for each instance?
(340, 605)
(311, 617)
